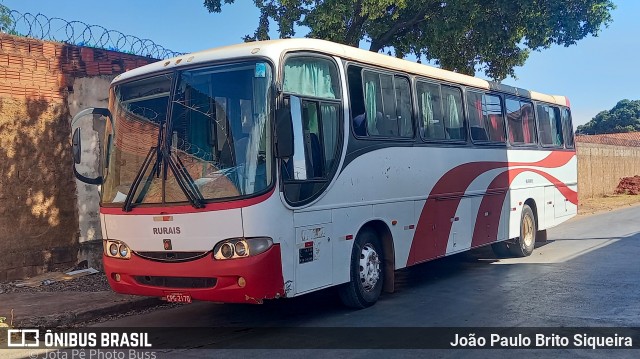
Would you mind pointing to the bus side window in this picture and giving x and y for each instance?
(550, 127)
(403, 106)
(388, 124)
(382, 107)
(430, 111)
(485, 117)
(522, 130)
(311, 86)
(567, 128)
(453, 113)
(373, 103)
(356, 101)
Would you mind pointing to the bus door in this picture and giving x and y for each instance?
(305, 176)
(312, 94)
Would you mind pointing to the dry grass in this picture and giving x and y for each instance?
(3, 321)
(607, 203)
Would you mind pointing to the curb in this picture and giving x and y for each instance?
(72, 318)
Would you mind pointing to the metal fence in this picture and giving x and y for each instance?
(41, 27)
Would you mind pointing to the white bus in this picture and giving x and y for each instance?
(274, 169)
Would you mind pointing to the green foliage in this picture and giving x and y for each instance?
(5, 18)
(623, 117)
(465, 35)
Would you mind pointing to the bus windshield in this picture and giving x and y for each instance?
(211, 122)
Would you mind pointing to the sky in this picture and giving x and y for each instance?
(595, 73)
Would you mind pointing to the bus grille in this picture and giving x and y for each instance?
(172, 256)
(176, 282)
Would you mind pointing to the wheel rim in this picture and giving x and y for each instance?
(527, 231)
(369, 267)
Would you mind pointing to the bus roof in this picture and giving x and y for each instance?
(275, 48)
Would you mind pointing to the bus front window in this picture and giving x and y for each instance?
(217, 134)
(219, 129)
(139, 111)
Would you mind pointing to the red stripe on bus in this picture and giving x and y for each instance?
(434, 224)
(554, 160)
(183, 209)
(568, 193)
(486, 227)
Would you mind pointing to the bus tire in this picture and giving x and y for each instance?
(366, 272)
(523, 245)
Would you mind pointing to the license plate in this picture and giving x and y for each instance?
(178, 298)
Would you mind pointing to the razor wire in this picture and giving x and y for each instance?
(78, 33)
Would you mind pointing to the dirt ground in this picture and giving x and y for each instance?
(629, 185)
(607, 203)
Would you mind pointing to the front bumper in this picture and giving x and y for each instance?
(262, 275)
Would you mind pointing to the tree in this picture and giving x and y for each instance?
(623, 117)
(464, 35)
(5, 18)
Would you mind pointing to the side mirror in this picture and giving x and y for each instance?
(76, 146)
(284, 129)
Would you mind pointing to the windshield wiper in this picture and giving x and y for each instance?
(136, 182)
(184, 179)
(164, 160)
(179, 170)
(145, 164)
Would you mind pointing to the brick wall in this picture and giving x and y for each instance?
(39, 225)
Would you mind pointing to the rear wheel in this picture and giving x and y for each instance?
(523, 245)
(366, 278)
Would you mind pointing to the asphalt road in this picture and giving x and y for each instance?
(586, 275)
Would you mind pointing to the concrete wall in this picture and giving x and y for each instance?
(89, 92)
(46, 216)
(600, 167)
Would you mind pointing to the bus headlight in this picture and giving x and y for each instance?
(124, 250)
(226, 250)
(113, 249)
(116, 249)
(241, 247)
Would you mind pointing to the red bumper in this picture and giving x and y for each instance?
(262, 274)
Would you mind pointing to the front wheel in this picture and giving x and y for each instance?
(366, 278)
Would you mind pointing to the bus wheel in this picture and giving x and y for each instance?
(523, 246)
(366, 274)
